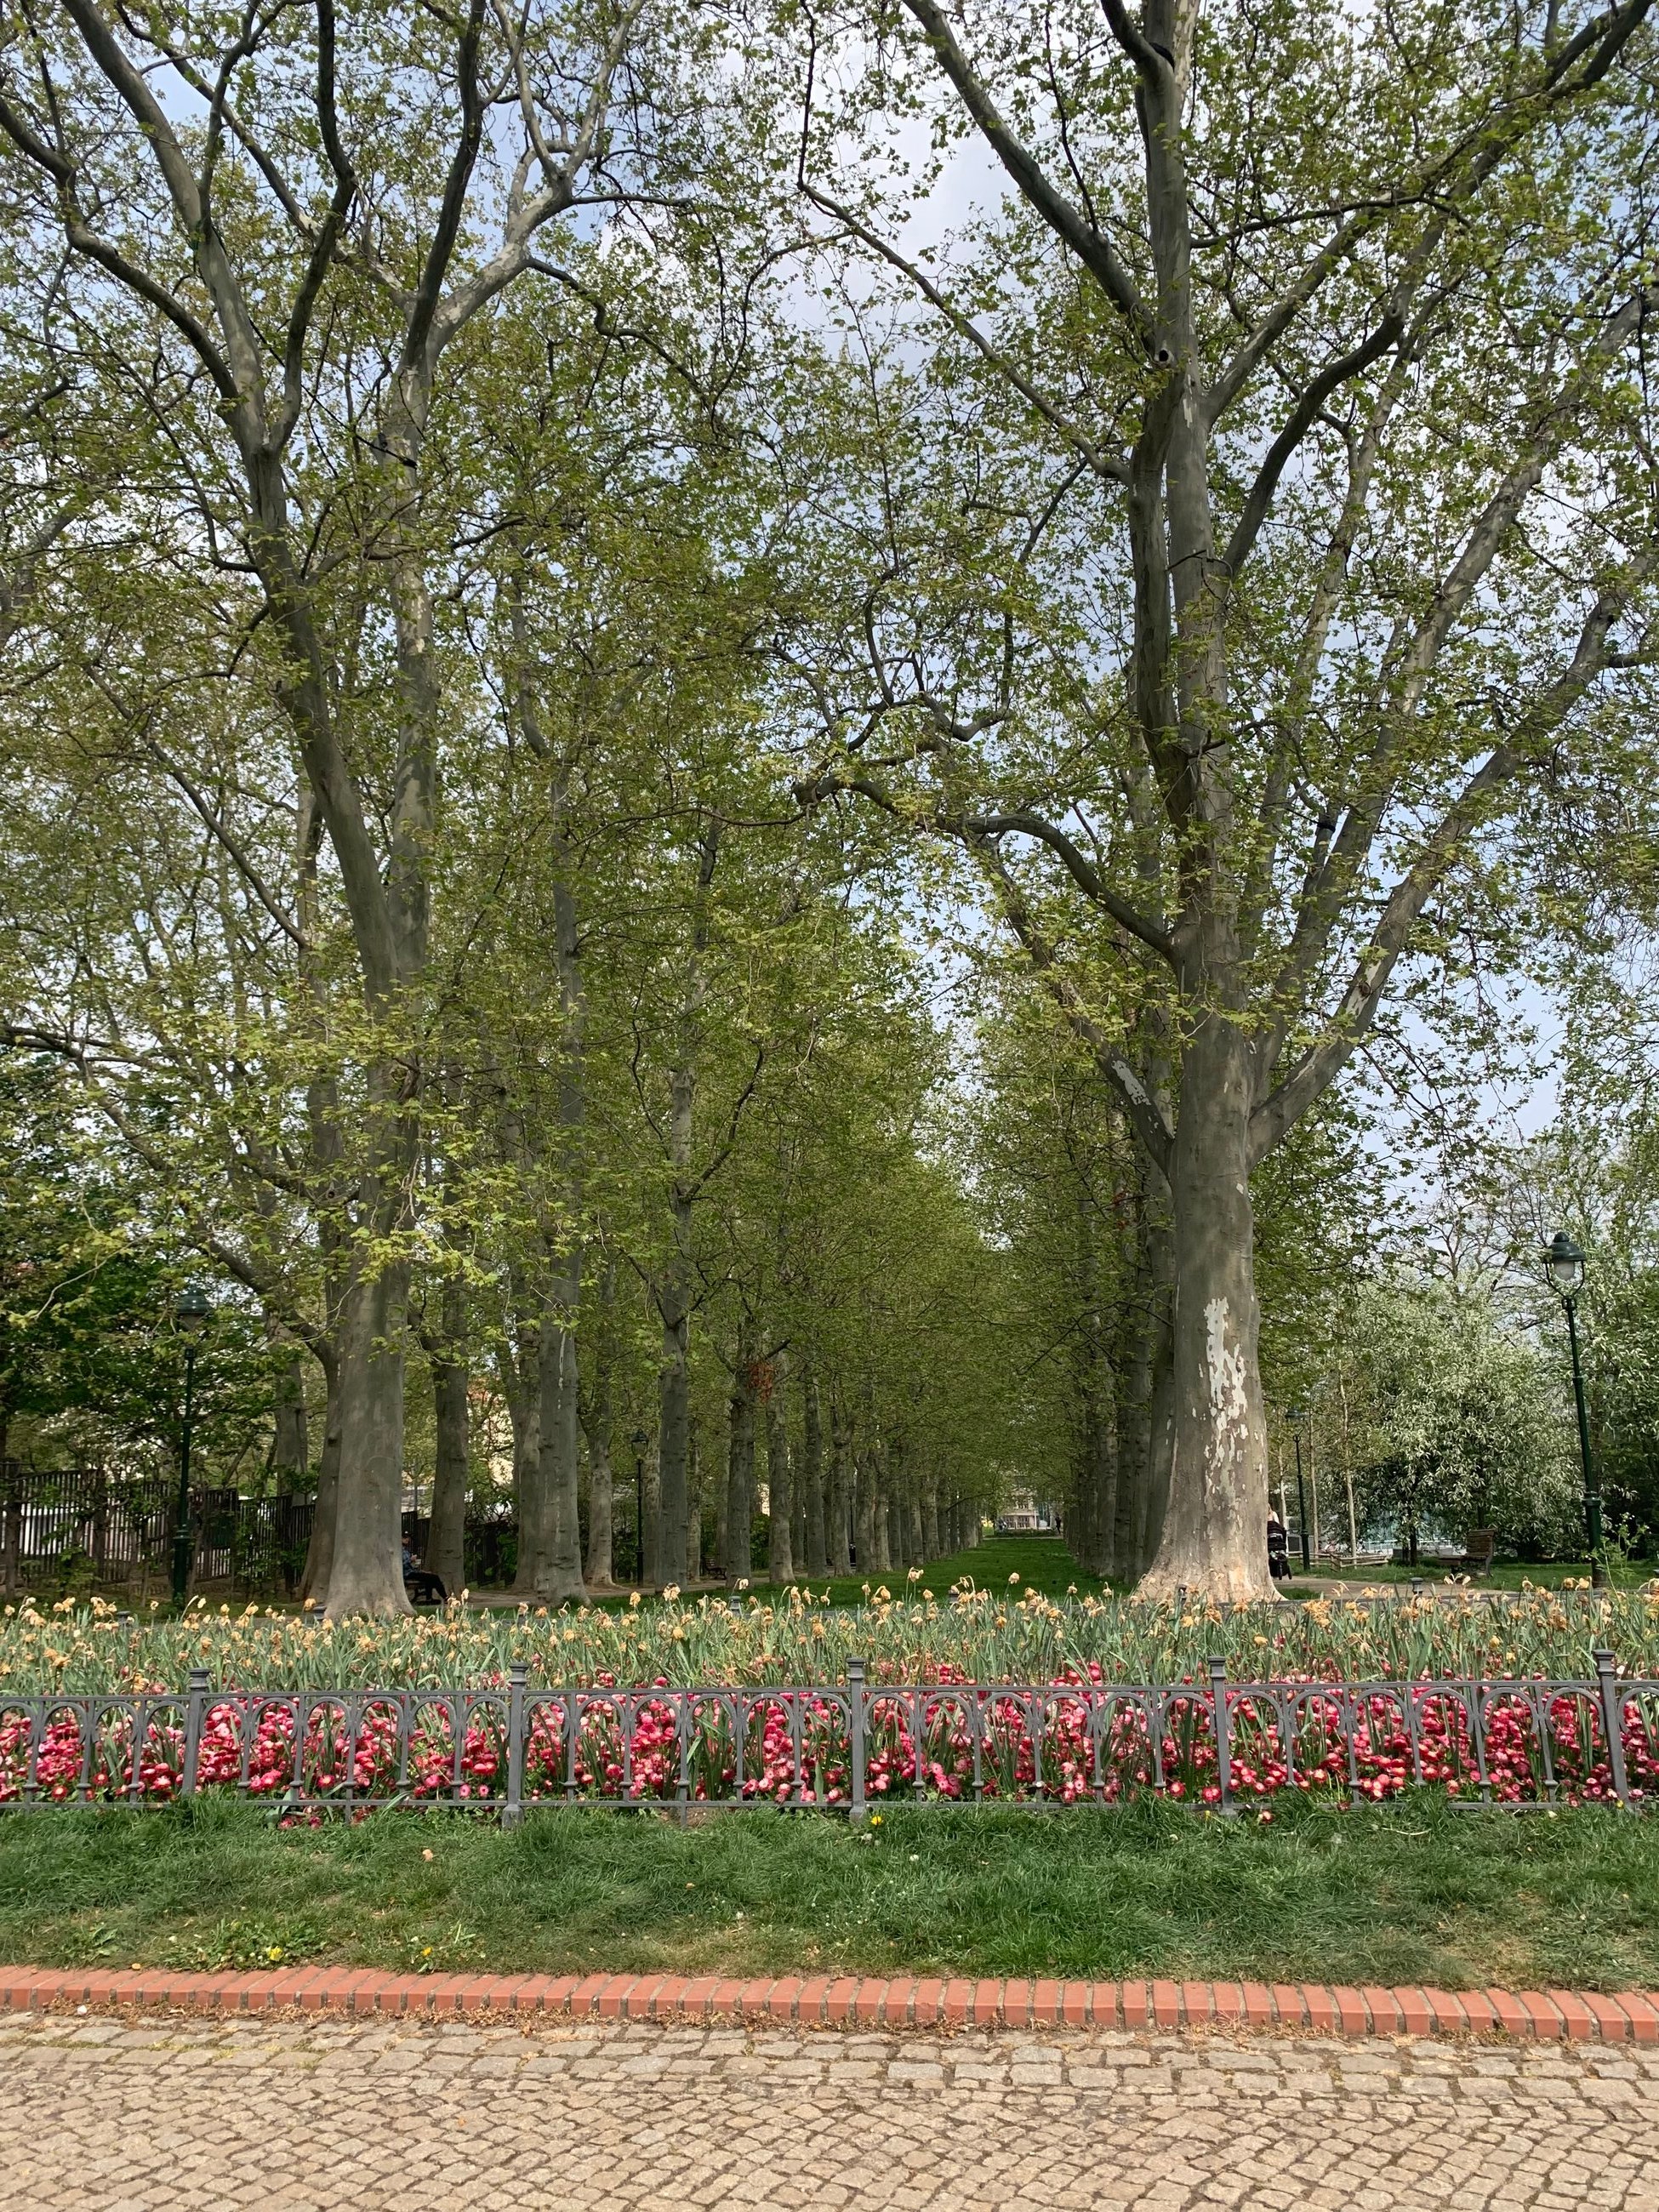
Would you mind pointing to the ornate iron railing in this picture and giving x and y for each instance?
(507, 1748)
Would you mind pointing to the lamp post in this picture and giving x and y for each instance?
(1298, 1415)
(1565, 1264)
(191, 1315)
(639, 1441)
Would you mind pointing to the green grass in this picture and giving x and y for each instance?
(1414, 1893)
(1042, 1563)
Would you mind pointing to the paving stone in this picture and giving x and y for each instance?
(180, 2116)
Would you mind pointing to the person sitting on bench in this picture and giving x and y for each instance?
(423, 1588)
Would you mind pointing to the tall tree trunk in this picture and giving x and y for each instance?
(873, 1479)
(693, 1508)
(797, 1515)
(674, 1305)
(522, 1381)
(869, 1515)
(320, 1552)
(674, 1413)
(555, 1571)
(657, 1572)
(779, 1558)
(558, 1569)
(600, 1564)
(674, 1296)
(740, 1468)
(600, 1567)
(290, 1442)
(11, 1511)
(839, 1511)
(530, 1467)
(451, 1377)
(1142, 1400)
(392, 912)
(1213, 1537)
(367, 1574)
(816, 1519)
(930, 1531)
(722, 1490)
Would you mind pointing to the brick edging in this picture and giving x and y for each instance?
(1561, 2015)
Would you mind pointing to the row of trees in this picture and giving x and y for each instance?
(540, 632)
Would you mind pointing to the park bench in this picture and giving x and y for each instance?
(1478, 1546)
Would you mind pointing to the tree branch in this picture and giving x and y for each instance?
(1283, 1107)
(1096, 254)
(1145, 1114)
(1111, 468)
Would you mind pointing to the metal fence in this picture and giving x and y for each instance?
(84, 1524)
(86, 1527)
(507, 1748)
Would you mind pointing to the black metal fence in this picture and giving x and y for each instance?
(85, 1527)
(507, 1747)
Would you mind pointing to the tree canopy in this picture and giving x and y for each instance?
(645, 801)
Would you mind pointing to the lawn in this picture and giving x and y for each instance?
(1038, 1563)
(1411, 1894)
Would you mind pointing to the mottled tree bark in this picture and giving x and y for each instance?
(781, 1558)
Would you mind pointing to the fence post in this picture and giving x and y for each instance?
(1224, 1740)
(195, 1714)
(855, 1717)
(1613, 1719)
(513, 1811)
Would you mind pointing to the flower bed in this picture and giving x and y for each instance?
(1079, 1738)
(793, 1637)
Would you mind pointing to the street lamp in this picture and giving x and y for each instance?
(1564, 1263)
(1296, 1416)
(638, 1440)
(191, 1315)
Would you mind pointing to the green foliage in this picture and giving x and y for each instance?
(726, 650)
(90, 1361)
(1458, 1423)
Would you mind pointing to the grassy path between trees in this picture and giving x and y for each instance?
(1041, 1563)
(1411, 1894)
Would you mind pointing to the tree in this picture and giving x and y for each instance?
(1460, 1424)
(299, 229)
(1283, 522)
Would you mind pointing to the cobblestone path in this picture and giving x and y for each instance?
(159, 2115)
